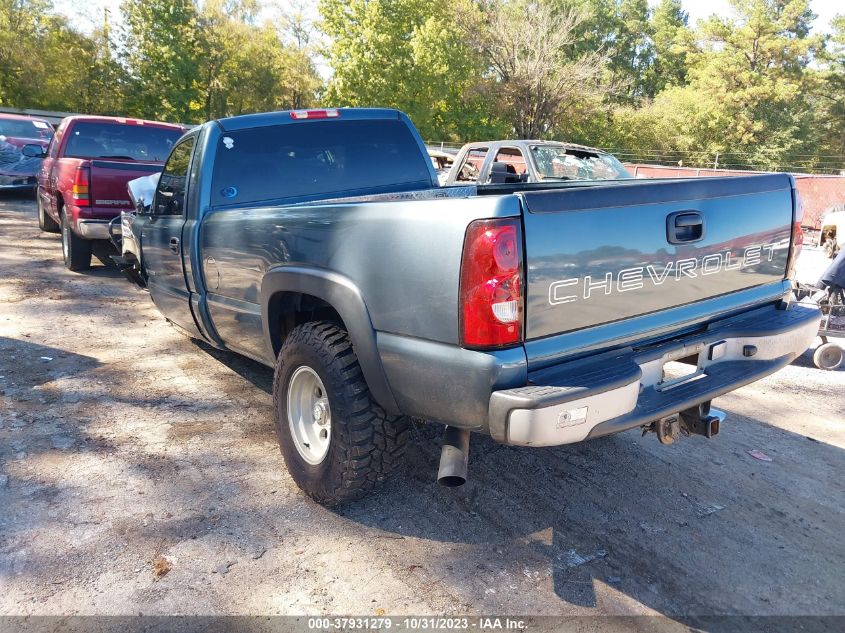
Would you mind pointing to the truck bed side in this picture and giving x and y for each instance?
(402, 257)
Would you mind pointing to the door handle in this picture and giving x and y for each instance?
(683, 227)
(174, 244)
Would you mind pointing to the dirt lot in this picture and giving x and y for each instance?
(139, 472)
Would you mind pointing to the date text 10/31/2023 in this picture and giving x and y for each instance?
(382, 623)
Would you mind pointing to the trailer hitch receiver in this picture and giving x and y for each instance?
(702, 420)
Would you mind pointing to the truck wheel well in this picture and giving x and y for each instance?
(286, 310)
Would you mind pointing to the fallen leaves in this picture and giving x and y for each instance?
(161, 566)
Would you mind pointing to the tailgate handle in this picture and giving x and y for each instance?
(683, 227)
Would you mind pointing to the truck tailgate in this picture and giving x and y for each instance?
(604, 253)
(108, 192)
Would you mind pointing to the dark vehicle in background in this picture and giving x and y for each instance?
(500, 162)
(82, 180)
(23, 140)
(539, 313)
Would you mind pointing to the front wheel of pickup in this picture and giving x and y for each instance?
(75, 250)
(338, 443)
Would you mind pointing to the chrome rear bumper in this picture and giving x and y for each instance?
(626, 388)
(93, 229)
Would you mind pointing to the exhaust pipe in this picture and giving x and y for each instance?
(453, 458)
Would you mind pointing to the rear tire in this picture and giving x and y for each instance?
(45, 222)
(828, 356)
(364, 444)
(75, 250)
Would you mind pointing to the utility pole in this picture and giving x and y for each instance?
(716, 162)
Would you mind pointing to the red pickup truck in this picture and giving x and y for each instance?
(82, 181)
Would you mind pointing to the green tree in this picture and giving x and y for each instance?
(411, 55)
(745, 97)
(633, 50)
(672, 40)
(828, 98)
(23, 25)
(539, 83)
(45, 63)
(247, 67)
(754, 68)
(66, 62)
(163, 53)
(621, 31)
(104, 91)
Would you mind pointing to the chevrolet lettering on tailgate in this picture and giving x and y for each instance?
(635, 277)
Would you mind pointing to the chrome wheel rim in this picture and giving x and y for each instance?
(309, 415)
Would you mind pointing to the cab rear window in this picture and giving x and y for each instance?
(120, 141)
(317, 159)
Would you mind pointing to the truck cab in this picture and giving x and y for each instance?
(515, 161)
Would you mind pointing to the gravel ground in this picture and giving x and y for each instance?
(139, 473)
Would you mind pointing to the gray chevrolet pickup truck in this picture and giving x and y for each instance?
(319, 243)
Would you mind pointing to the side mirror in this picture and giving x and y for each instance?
(31, 150)
(141, 190)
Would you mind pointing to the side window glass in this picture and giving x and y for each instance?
(508, 166)
(170, 194)
(473, 161)
(54, 144)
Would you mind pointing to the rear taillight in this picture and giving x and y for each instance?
(491, 284)
(314, 114)
(797, 240)
(80, 187)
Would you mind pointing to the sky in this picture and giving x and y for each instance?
(824, 9)
(93, 14)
